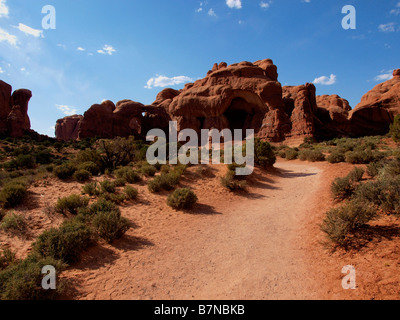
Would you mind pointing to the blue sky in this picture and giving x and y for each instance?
(131, 49)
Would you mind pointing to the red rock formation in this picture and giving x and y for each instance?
(14, 119)
(234, 97)
(68, 128)
(242, 96)
(105, 120)
(5, 108)
(333, 113)
(376, 111)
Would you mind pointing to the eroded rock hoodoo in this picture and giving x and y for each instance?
(14, 119)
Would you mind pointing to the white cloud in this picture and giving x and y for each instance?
(30, 31)
(212, 13)
(5, 36)
(199, 9)
(107, 49)
(163, 81)
(237, 4)
(67, 110)
(396, 11)
(1, 70)
(385, 75)
(80, 49)
(388, 27)
(306, 1)
(3, 9)
(325, 81)
(265, 5)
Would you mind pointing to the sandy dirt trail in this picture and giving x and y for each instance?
(251, 248)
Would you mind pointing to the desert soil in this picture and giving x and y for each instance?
(265, 244)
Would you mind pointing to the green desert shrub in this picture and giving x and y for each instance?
(44, 156)
(382, 193)
(65, 243)
(131, 193)
(391, 169)
(342, 188)
(120, 182)
(7, 258)
(13, 194)
(282, 154)
(91, 189)
(291, 154)
(82, 175)
(107, 186)
(264, 156)
(165, 181)
(182, 199)
(26, 161)
(90, 166)
(103, 205)
(148, 170)
(116, 198)
(359, 157)
(356, 174)
(110, 225)
(71, 204)
(14, 224)
(336, 157)
(127, 173)
(64, 171)
(232, 182)
(395, 129)
(340, 223)
(374, 168)
(311, 155)
(89, 156)
(117, 152)
(23, 280)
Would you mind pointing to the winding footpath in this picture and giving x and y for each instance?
(253, 249)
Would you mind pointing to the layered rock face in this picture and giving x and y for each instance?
(107, 120)
(242, 96)
(229, 97)
(14, 119)
(377, 109)
(68, 128)
(333, 112)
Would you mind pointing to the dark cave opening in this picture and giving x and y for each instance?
(239, 115)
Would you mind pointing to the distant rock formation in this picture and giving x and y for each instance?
(242, 96)
(14, 119)
(106, 120)
(377, 109)
(333, 112)
(68, 128)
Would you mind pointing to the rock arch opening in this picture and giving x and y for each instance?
(240, 115)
